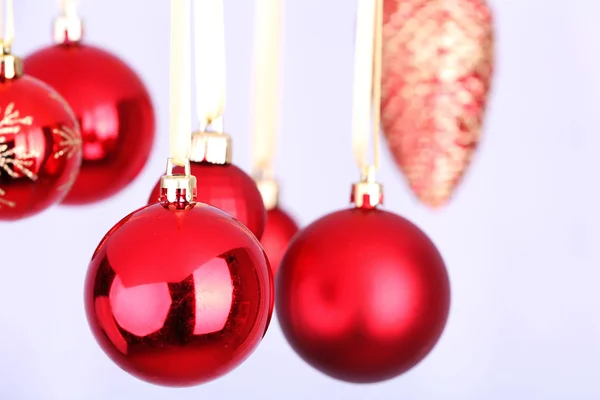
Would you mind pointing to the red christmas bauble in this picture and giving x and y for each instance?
(40, 147)
(113, 108)
(178, 296)
(230, 189)
(279, 230)
(362, 295)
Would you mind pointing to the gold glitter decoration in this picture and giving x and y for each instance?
(70, 142)
(4, 202)
(437, 69)
(12, 121)
(11, 124)
(13, 166)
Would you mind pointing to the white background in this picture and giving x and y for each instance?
(518, 239)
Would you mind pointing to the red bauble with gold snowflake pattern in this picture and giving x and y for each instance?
(40, 143)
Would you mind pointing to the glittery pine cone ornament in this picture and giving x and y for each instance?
(437, 68)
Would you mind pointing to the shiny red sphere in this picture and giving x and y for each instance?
(230, 189)
(279, 230)
(362, 295)
(178, 296)
(40, 147)
(113, 108)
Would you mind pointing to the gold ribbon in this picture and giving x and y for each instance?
(209, 28)
(267, 82)
(180, 96)
(7, 24)
(367, 86)
(69, 8)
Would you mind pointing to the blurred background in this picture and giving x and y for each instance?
(518, 238)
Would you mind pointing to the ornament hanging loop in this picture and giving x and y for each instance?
(210, 144)
(211, 147)
(177, 187)
(11, 67)
(367, 102)
(68, 27)
(367, 193)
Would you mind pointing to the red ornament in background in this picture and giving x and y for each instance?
(40, 143)
(112, 105)
(178, 293)
(437, 71)
(222, 184)
(362, 294)
(280, 227)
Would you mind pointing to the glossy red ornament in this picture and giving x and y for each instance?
(362, 295)
(113, 108)
(279, 230)
(438, 58)
(178, 295)
(40, 147)
(230, 189)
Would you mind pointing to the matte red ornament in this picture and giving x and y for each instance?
(40, 147)
(279, 230)
(437, 72)
(362, 295)
(230, 189)
(178, 293)
(113, 108)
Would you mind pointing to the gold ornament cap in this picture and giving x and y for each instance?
(178, 187)
(367, 193)
(11, 67)
(211, 147)
(269, 190)
(67, 30)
